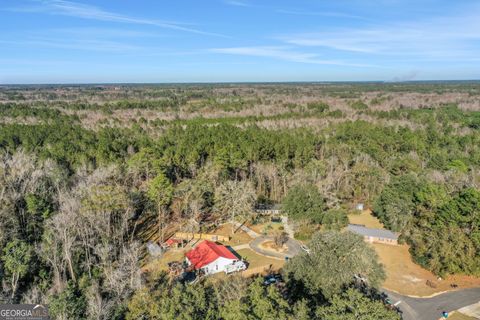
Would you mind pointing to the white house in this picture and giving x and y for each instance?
(210, 257)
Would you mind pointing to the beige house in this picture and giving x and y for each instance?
(374, 235)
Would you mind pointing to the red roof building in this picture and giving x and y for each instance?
(210, 257)
(172, 241)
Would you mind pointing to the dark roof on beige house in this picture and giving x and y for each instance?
(370, 232)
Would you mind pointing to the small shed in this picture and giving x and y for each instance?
(173, 243)
(154, 249)
(374, 235)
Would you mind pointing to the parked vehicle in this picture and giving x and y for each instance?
(270, 281)
(272, 278)
(235, 267)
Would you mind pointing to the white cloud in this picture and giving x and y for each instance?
(237, 3)
(282, 53)
(79, 10)
(97, 32)
(321, 13)
(439, 38)
(81, 38)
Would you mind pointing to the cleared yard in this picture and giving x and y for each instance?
(406, 277)
(366, 218)
(403, 275)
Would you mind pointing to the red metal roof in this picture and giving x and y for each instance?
(172, 241)
(206, 252)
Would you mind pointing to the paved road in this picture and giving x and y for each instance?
(292, 245)
(431, 308)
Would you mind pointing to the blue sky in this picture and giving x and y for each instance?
(57, 41)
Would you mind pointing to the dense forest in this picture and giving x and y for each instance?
(84, 169)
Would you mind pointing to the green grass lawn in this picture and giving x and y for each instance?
(257, 260)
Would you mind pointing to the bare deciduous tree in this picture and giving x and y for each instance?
(234, 199)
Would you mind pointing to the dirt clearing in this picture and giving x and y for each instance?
(403, 275)
(406, 277)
